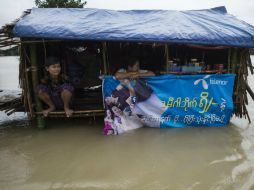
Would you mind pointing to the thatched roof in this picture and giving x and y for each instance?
(7, 40)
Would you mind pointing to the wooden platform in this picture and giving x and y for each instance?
(83, 113)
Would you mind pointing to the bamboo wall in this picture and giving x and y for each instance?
(239, 62)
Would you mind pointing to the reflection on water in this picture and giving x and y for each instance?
(73, 154)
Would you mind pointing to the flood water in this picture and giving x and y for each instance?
(72, 154)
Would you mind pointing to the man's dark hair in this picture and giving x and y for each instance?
(131, 61)
(51, 61)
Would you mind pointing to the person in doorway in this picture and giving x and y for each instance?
(132, 71)
(54, 89)
(145, 103)
(130, 80)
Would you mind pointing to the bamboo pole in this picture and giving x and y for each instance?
(35, 81)
(229, 60)
(26, 84)
(75, 112)
(234, 61)
(22, 81)
(166, 54)
(104, 46)
(249, 63)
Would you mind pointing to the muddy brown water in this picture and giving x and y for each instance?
(72, 154)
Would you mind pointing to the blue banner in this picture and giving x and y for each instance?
(167, 101)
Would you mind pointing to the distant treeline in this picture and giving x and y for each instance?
(252, 51)
(10, 52)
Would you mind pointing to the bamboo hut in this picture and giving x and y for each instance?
(93, 42)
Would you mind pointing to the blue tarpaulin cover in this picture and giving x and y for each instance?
(208, 27)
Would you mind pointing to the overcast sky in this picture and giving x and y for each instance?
(243, 9)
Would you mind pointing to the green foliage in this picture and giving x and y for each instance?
(60, 3)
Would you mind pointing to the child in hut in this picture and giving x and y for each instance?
(54, 89)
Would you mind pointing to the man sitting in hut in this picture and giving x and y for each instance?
(142, 100)
(54, 89)
(132, 71)
(127, 77)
